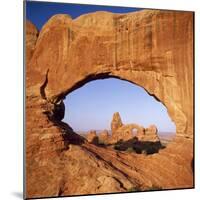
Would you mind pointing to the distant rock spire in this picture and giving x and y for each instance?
(116, 122)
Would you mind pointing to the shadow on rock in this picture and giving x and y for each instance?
(68, 134)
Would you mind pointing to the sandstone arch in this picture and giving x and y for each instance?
(103, 45)
(125, 132)
(151, 48)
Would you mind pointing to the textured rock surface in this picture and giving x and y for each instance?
(31, 38)
(126, 132)
(116, 123)
(153, 49)
(104, 136)
(92, 137)
(151, 134)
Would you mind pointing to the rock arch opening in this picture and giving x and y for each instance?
(90, 108)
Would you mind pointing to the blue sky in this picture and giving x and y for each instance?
(92, 106)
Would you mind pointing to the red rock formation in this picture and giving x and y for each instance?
(150, 134)
(104, 136)
(153, 49)
(92, 137)
(124, 132)
(123, 46)
(116, 123)
(31, 38)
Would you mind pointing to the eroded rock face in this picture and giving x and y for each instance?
(151, 48)
(124, 132)
(146, 48)
(116, 123)
(151, 134)
(92, 137)
(31, 38)
(104, 136)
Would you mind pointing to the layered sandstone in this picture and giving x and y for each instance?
(125, 132)
(151, 48)
(151, 134)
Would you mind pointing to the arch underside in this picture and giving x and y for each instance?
(151, 82)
